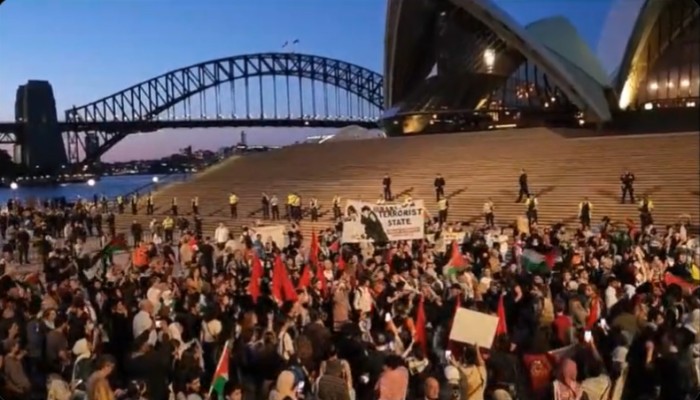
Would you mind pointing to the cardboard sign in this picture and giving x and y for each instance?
(471, 327)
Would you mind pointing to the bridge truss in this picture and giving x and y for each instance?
(267, 89)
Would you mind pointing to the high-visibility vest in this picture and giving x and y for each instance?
(232, 199)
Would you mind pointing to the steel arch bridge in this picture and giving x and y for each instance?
(266, 89)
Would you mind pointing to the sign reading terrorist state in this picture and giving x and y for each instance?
(381, 223)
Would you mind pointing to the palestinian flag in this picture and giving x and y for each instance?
(221, 374)
(536, 262)
(456, 262)
(118, 243)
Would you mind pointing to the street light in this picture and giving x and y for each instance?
(155, 179)
(14, 186)
(91, 182)
(489, 59)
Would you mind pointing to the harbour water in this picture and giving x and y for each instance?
(110, 186)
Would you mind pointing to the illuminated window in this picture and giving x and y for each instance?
(489, 58)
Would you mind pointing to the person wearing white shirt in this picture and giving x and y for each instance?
(143, 319)
(221, 236)
(363, 298)
(611, 297)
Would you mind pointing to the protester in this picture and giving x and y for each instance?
(600, 310)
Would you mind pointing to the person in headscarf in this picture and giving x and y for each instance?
(284, 388)
(82, 366)
(566, 387)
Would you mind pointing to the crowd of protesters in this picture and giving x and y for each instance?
(613, 313)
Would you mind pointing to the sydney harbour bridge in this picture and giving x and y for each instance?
(254, 90)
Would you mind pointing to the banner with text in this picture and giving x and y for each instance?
(381, 223)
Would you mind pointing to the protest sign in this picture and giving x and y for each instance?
(473, 327)
(381, 223)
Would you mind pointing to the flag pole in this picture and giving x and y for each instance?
(218, 364)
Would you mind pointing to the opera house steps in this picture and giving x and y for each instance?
(561, 170)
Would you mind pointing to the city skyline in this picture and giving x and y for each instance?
(88, 50)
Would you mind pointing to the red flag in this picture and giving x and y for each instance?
(313, 249)
(502, 327)
(593, 312)
(321, 278)
(550, 259)
(670, 279)
(334, 247)
(255, 276)
(305, 279)
(282, 288)
(419, 336)
(341, 263)
(457, 260)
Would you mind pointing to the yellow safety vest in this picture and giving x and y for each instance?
(168, 223)
(232, 199)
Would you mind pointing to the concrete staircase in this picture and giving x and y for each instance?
(562, 169)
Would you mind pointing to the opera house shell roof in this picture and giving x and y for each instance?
(455, 54)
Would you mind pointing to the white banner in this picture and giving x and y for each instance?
(381, 223)
(274, 233)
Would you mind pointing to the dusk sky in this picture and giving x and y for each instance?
(88, 49)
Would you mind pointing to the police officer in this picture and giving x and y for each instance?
(274, 207)
(336, 207)
(149, 204)
(443, 206)
(195, 205)
(439, 185)
(531, 209)
(386, 184)
(173, 206)
(168, 228)
(585, 213)
(233, 205)
(265, 201)
(313, 205)
(627, 186)
(524, 189)
(135, 204)
(646, 206)
(488, 209)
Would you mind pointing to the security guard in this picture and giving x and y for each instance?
(646, 206)
(298, 215)
(585, 213)
(627, 186)
(386, 184)
(265, 202)
(173, 206)
(336, 207)
(233, 205)
(195, 205)
(120, 204)
(524, 188)
(168, 228)
(289, 204)
(149, 204)
(313, 205)
(531, 209)
(488, 209)
(439, 184)
(443, 206)
(274, 207)
(135, 204)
